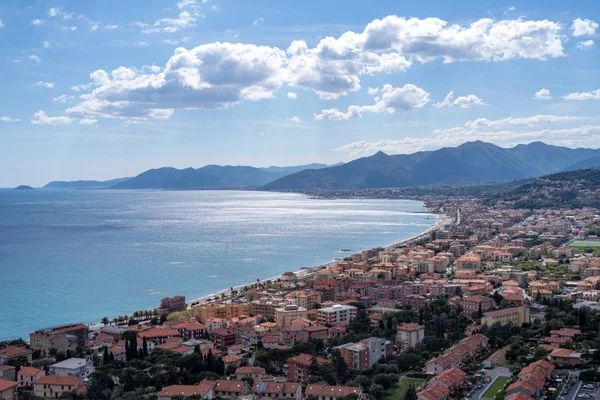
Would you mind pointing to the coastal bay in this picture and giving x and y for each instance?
(80, 255)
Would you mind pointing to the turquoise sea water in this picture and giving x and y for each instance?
(80, 255)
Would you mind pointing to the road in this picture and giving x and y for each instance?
(493, 374)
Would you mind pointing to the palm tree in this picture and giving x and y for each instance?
(105, 321)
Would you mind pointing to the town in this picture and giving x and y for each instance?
(495, 302)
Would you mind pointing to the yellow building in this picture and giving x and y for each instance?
(306, 298)
(51, 387)
(284, 316)
(222, 311)
(516, 316)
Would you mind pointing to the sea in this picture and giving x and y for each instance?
(81, 255)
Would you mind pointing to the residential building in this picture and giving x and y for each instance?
(81, 367)
(221, 311)
(190, 330)
(366, 353)
(469, 261)
(516, 316)
(565, 357)
(291, 312)
(8, 372)
(222, 338)
(256, 373)
(277, 390)
(203, 390)
(457, 355)
(298, 366)
(409, 334)
(326, 392)
(158, 335)
(471, 305)
(172, 304)
(13, 352)
(336, 314)
(8, 390)
(62, 338)
(27, 376)
(230, 389)
(52, 387)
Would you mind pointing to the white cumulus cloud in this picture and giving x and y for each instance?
(88, 121)
(292, 95)
(63, 98)
(525, 121)
(48, 85)
(583, 27)
(392, 100)
(294, 119)
(34, 58)
(542, 94)
(38, 22)
(593, 95)
(40, 118)
(46, 45)
(461, 101)
(216, 75)
(586, 45)
(9, 119)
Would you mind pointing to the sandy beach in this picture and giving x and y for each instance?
(443, 220)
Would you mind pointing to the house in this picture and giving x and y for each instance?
(434, 392)
(277, 390)
(408, 335)
(203, 390)
(565, 333)
(256, 373)
(441, 386)
(27, 376)
(232, 360)
(118, 353)
(158, 335)
(326, 392)
(8, 372)
(469, 261)
(51, 387)
(81, 367)
(8, 390)
(565, 357)
(13, 352)
(299, 366)
(456, 355)
(542, 369)
(230, 389)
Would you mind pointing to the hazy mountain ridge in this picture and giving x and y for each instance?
(470, 162)
(92, 184)
(210, 177)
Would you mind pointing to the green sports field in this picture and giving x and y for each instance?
(584, 244)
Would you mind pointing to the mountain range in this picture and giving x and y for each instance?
(208, 177)
(470, 162)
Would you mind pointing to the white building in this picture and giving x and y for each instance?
(335, 314)
(81, 367)
(408, 335)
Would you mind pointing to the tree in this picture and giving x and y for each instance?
(411, 393)
(377, 391)
(105, 321)
(498, 298)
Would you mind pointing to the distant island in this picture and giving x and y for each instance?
(23, 187)
(84, 184)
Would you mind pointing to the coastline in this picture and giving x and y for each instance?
(442, 220)
(226, 296)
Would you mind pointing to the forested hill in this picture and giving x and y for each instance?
(571, 189)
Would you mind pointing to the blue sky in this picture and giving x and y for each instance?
(104, 89)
